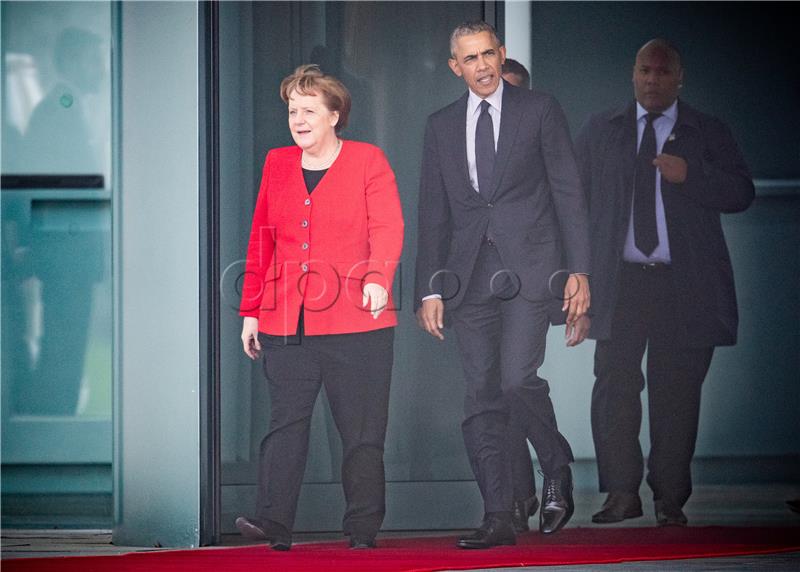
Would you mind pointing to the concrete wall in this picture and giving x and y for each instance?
(157, 278)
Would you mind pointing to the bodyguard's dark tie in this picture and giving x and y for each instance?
(645, 232)
(484, 150)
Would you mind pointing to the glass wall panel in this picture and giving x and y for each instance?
(56, 217)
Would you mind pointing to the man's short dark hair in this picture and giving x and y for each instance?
(470, 29)
(517, 69)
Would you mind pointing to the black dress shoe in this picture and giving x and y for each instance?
(557, 503)
(523, 510)
(618, 507)
(361, 542)
(278, 537)
(669, 514)
(493, 532)
(280, 542)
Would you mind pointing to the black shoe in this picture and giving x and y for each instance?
(493, 532)
(557, 503)
(618, 507)
(280, 542)
(361, 542)
(278, 537)
(523, 510)
(669, 514)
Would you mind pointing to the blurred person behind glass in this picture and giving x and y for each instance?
(60, 137)
(326, 238)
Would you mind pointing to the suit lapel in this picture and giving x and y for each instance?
(462, 144)
(686, 123)
(628, 150)
(459, 134)
(509, 126)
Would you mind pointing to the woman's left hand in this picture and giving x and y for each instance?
(377, 296)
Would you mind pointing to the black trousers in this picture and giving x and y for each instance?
(356, 372)
(522, 475)
(644, 318)
(501, 338)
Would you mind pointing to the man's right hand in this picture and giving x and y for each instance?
(430, 317)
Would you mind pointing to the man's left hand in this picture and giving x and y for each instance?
(672, 168)
(576, 297)
(577, 331)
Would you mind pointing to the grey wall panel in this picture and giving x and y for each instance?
(156, 228)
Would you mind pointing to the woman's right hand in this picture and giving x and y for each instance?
(250, 338)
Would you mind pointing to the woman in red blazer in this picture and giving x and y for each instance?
(325, 242)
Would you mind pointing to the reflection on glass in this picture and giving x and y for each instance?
(56, 294)
(60, 126)
(56, 256)
(56, 88)
(23, 92)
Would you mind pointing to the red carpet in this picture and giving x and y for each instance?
(571, 546)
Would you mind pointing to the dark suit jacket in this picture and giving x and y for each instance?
(718, 181)
(536, 211)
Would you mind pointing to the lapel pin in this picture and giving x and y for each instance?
(671, 137)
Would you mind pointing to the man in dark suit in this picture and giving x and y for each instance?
(500, 203)
(658, 174)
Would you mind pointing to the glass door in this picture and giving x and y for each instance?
(393, 58)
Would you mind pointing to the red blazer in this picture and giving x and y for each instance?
(317, 250)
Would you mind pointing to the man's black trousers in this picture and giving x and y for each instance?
(645, 318)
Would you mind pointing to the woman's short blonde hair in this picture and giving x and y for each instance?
(309, 79)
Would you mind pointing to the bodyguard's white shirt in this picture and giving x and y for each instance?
(663, 127)
(473, 112)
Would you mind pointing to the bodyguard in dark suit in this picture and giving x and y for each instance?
(658, 174)
(500, 203)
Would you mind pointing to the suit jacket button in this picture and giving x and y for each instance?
(304, 224)
(305, 246)
(304, 267)
(307, 202)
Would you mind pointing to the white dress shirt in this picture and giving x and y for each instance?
(663, 127)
